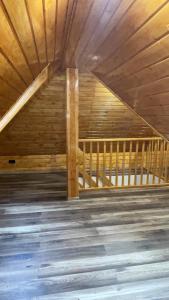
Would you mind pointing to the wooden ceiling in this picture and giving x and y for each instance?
(31, 36)
(124, 42)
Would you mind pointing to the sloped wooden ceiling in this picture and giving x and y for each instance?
(124, 42)
(31, 36)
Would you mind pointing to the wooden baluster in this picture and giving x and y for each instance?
(91, 162)
(151, 161)
(148, 162)
(117, 163)
(154, 161)
(104, 164)
(98, 165)
(136, 163)
(130, 156)
(164, 160)
(123, 162)
(161, 161)
(111, 161)
(167, 161)
(142, 163)
(84, 164)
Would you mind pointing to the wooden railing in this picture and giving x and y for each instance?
(122, 163)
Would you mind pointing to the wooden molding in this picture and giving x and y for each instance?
(24, 98)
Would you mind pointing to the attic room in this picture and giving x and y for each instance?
(84, 151)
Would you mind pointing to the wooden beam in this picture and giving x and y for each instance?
(72, 132)
(24, 98)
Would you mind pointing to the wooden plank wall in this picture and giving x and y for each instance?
(103, 115)
(38, 131)
(30, 163)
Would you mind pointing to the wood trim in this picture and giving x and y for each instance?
(72, 131)
(121, 139)
(25, 97)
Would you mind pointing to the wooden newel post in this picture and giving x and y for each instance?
(72, 131)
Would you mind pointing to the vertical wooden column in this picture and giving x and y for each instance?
(72, 132)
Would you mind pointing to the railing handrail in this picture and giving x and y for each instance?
(121, 139)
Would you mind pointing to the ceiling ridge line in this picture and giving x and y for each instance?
(85, 23)
(106, 25)
(66, 41)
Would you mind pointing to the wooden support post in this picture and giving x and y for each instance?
(72, 132)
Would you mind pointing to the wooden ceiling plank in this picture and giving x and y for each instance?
(36, 14)
(55, 29)
(150, 74)
(50, 13)
(10, 84)
(16, 36)
(9, 72)
(33, 34)
(99, 10)
(138, 15)
(149, 34)
(83, 12)
(68, 27)
(146, 59)
(26, 96)
(45, 33)
(10, 49)
(100, 35)
(62, 21)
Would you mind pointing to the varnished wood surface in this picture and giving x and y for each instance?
(103, 115)
(102, 247)
(72, 131)
(124, 42)
(40, 127)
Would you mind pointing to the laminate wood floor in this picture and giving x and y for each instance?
(105, 246)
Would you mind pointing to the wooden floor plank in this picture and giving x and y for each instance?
(109, 246)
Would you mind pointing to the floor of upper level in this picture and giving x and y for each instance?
(106, 246)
